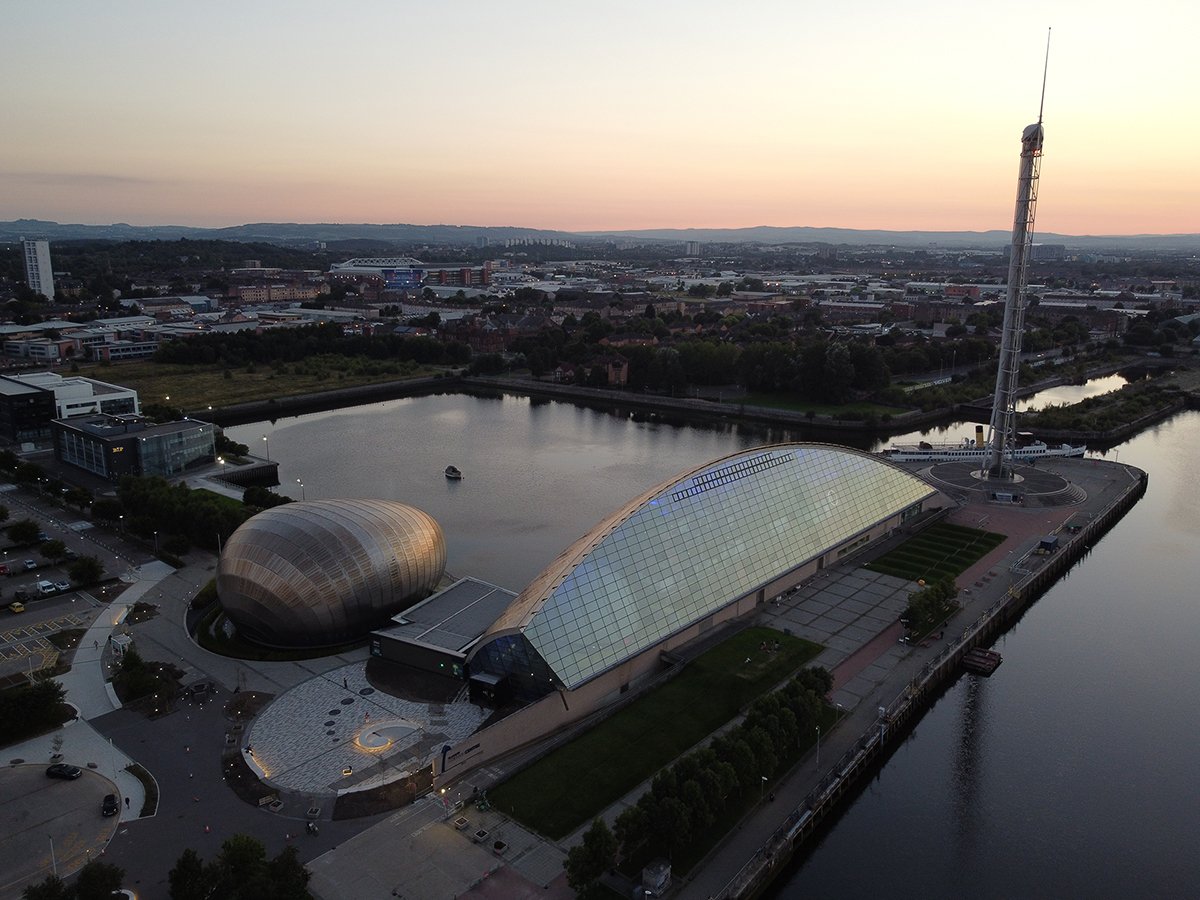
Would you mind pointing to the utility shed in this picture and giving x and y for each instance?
(437, 634)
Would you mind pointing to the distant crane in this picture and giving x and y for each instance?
(1002, 430)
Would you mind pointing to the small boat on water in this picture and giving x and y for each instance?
(982, 662)
(453, 473)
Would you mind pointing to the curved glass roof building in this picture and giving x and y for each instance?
(688, 548)
(324, 572)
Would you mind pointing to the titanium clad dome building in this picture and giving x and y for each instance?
(702, 548)
(324, 572)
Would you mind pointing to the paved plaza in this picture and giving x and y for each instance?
(336, 731)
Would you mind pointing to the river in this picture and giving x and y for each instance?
(1068, 773)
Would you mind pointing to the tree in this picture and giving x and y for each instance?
(53, 888)
(98, 880)
(86, 570)
(190, 879)
(54, 550)
(24, 532)
(586, 862)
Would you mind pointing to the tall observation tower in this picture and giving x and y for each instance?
(1002, 431)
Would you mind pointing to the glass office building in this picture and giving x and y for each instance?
(721, 535)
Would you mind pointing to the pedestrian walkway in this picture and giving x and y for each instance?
(87, 683)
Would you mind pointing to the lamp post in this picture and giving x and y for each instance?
(301, 483)
(818, 745)
(53, 861)
(221, 460)
(121, 522)
(267, 444)
(156, 543)
(762, 788)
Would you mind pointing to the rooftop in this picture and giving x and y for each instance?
(452, 619)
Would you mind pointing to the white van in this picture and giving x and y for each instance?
(45, 587)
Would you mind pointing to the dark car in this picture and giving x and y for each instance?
(110, 806)
(62, 770)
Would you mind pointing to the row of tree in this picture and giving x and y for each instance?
(241, 871)
(294, 345)
(691, 795)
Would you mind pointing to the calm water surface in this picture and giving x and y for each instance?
(1070, 773)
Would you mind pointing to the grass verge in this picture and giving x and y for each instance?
(573, 783)
(195, 387)
(150, 803)
(942, 550)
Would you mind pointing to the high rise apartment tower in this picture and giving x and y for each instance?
(39, 275)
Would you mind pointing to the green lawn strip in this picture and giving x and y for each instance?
(575, 782)
(943, 549)
(198, 386)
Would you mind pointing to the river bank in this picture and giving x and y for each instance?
(819, 425)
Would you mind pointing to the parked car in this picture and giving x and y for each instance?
(45, 587)
(16, 607)
(43, 537)
(110, 805)
(30, 565)
(62, 585)
(62, 770)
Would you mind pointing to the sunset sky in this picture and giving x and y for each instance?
(559, 114)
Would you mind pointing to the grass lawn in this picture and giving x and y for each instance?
(197, 387)
(796, 404)
(571, 785)
(939, 551)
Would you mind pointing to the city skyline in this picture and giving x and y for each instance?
(534, 115)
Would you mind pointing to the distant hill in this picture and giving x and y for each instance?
(292, 233)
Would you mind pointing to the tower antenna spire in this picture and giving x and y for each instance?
(1045, 71)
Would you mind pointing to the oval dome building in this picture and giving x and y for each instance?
(324, 572)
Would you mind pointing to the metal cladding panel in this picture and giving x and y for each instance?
(701, 542)
(327, 571)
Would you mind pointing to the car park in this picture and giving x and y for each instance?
(62, 770)
(110, 805)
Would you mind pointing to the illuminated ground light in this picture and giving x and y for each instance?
(377, 738)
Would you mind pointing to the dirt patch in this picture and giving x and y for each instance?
(141, 612)
(246, 705)
(243, 780)
(67, 639)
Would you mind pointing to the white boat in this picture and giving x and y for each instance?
(971, 451)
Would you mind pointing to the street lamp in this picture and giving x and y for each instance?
(221, 460)
(267, 444)
(53, 861)
(301, 483)
(818, 745)
(156, 543)
(762, 788)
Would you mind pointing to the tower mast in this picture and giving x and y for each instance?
(1002, 428)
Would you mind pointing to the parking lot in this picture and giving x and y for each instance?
(46, 822)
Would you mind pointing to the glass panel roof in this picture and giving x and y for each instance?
(705, 540)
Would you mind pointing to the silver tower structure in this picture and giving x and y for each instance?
(1002, 431)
